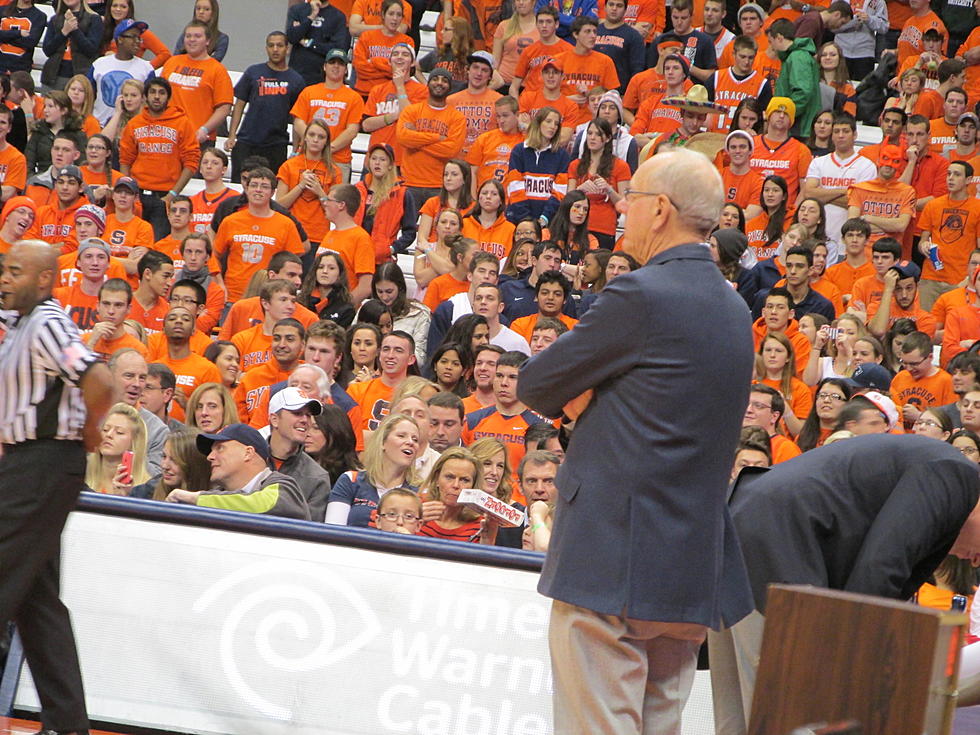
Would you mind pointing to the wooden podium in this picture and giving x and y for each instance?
(830, 656)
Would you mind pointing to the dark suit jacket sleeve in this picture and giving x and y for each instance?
(599, 348)
(914, 530)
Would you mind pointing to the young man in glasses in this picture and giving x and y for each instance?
(920, 384)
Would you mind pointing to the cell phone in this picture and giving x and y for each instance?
(832, 333)
(127, 464)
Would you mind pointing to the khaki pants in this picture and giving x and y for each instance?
(929, 291)
(618, 676)
(734, 657)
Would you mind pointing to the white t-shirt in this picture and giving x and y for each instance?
(508, 340)
(108, 74)
(836, 173)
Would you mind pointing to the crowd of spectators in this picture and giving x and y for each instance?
(231, 248)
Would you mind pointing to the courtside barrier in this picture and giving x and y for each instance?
(204, 621)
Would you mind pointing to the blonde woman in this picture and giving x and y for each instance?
(122, 431)
(211, 408)
(129, 104)
(82, 96)
(442, 517)
(833, 355)
(389, 462)
(305, 179)
(513, 36)
(182, 466)
(538, 176)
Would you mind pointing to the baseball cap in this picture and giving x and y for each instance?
(93, 242)
(402, 44)
(240, 433)
(969, 116)
(870, 375)
(482, 56)
(293, 399)
(335, 53)
(125, 24)
(127, 182)
(886, 405)
(94, 213)
(907, 269)
(74, 171)
(553, 63)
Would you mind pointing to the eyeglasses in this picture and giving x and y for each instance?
(969, 451)
(183, 300)
(760, 406)
(907, 364)
(927, 422)
(630, 193)
(830, 397)
(392, 515)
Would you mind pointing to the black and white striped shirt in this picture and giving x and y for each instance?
(42, 361)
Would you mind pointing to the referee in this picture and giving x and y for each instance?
(53, 397)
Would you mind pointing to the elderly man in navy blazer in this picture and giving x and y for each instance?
(643, 558)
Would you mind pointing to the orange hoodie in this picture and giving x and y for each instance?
(157, 149)
(801, 345)
(496, 239)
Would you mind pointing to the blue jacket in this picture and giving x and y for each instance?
(536, 183)
(579, 7)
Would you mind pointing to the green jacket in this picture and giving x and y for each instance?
(799, 79)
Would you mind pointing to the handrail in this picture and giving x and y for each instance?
(362, 538)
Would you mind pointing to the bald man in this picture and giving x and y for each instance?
(640, 568)
(54, 394)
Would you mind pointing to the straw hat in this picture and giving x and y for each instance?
(696, 100)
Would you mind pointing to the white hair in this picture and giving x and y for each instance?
(322, 381)
(693, 184)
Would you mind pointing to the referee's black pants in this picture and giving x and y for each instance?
(39, 486)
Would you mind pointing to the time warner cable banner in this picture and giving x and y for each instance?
(211, 631)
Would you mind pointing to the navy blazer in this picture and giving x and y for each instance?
(873, 514)
(642, 527)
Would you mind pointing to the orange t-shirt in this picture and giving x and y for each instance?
(254, 347)
(246, 313)
(507, 429)
(490, 154)
(525, 325)
(13, 168)
(104, 348)
(371, 58)
(532, 101)
(338, 108)
(247, 243)
(868, 291)
(602, 212)
(843, 275)
(191, 372)
(374, 398)
(152, 318)
(204, 205)
(766, 65)
(496, 239)
(478, 109)
(199, 87)
(156, 345)
(800, 399)
(783, 448)
(936, 390)
(442, 288)
(955, 227)
(942, 136)
(653, 117)
(910, 39)
(789, 159)
(880, 199)
(645, 85)
(382, 100)
(124, 236)
(944, 305)
(78, 305)
(755, 231)
(356, 249)
(370, 12)
(742, 189)
(307, 208)
(254, 386)
(972, 85)
(528, 67)
(585, 71)
(924, 320)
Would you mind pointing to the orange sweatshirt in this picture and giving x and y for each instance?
(157, 149)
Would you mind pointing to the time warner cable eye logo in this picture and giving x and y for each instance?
(267, 600)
